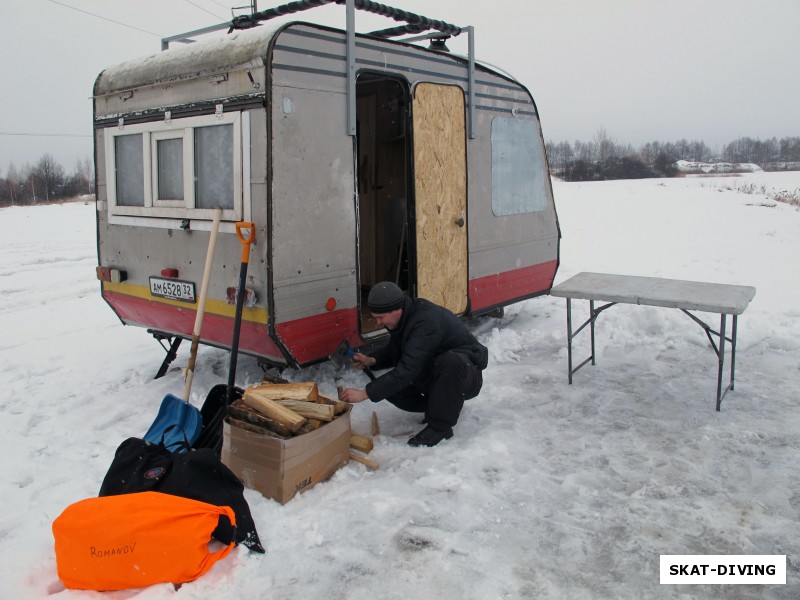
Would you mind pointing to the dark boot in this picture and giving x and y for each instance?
(429, 437)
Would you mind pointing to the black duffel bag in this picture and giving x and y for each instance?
(140, 466)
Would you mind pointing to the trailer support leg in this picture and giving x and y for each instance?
(172, 351)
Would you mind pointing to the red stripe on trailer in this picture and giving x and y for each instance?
(505, 287)
(316, 337)
(216, 329)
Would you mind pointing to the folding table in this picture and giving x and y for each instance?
(722, 299)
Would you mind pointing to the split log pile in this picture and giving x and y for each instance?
(284, 410)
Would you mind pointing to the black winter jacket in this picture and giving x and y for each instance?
(425, 331)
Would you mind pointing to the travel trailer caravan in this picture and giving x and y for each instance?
(359, 158)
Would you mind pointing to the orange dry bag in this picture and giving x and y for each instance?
(135, 540)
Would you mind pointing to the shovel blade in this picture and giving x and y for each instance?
(185, 418)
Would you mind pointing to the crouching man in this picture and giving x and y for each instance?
(437, 362)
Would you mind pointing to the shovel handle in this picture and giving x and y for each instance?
(201, 304)
(246, 239)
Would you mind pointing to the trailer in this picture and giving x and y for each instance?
(358, 157)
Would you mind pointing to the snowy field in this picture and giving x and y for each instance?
(547, 491)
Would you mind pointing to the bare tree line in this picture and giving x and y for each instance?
(601, 158)
(45, 181)
(605, 158)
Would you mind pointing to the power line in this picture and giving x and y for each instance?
(221, 5)
(205, 10)
(106, 18)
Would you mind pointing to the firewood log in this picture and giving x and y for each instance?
(274, 411)
(306, 390)
(309, 410)
(253, 428)
(312, 425)
(364, 461)
(338, 406)
(376, 428)
(239, 410)
(361, 443)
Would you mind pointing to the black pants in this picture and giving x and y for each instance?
(452, 380)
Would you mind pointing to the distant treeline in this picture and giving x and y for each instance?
(45, 181)
(605, 158)
(597, 160)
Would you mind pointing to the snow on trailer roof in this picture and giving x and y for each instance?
(248, 45)
(189, 61)
(204, 58)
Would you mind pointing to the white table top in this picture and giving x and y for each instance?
(655, 291)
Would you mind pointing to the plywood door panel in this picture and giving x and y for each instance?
(441, 195)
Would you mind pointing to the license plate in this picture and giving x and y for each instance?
(173, 289)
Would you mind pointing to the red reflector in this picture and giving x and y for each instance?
(330, 304)
(103, 273)
(169, 272)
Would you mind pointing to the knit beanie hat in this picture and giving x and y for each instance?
(385, 297)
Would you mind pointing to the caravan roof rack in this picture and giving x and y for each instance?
(414, 24)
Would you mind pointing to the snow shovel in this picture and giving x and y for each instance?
(220, 397)
(175, 411)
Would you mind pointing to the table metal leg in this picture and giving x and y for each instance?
(572, 334)
(720, 350)
(592, 316)
(733, 348)
(721, 356)
(569, 340)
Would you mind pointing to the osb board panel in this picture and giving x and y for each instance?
(441, 195)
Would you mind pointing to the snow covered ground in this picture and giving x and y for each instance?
(547, 490)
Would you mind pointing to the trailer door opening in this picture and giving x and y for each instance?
(383, 188)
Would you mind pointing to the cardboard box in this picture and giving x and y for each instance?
(279, 469)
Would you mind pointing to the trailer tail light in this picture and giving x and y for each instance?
(169, 273)
(111, 275)
(249, 297)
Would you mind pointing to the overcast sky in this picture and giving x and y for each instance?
(642, 70)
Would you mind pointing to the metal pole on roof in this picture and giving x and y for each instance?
(471, 91)
(186, 37)
(351, 67)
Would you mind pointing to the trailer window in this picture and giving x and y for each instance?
(518, 167)
(169, 168)
(129, 170)
(213, 156)
(183, 168)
